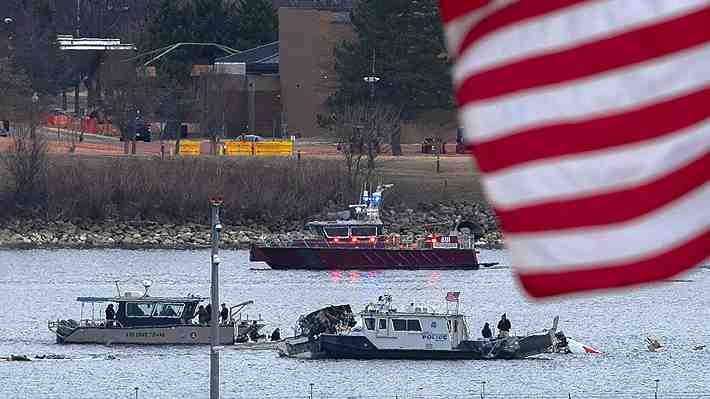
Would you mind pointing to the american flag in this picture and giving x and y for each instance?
(452, 296)
(589, 124)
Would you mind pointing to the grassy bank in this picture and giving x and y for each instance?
(99, 188)
(271, 191)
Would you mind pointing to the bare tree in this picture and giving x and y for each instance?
(130, 97)
(212, 99)
(361, 131)
(26, 164)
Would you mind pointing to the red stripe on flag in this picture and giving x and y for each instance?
(658, 267)
(551, 141)
(608, 208)
(615, 52)
(512, 14)
(452, 9)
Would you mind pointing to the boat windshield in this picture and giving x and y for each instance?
(168, 310)
(139, 309)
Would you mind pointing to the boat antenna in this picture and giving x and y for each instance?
(146, 286)
(118, 290)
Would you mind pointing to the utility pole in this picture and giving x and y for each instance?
(215, 206)
(78, 81)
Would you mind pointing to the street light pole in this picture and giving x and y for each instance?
(372, 79)
(215, 205)
(33, 116)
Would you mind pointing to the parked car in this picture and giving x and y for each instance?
(142, 133)
(250, 137)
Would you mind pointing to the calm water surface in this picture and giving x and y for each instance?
(39, 285)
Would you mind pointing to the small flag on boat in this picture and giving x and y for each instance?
(452, 296)
(590, 125)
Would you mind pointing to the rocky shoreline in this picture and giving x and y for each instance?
(85, 234)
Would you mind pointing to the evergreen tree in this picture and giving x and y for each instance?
(257, 23)
(406, 38)
(37, 51)
(241, 25)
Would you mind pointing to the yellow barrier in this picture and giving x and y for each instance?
(190, 147)
(273, 148)
(238, 148)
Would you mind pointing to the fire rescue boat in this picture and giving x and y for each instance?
(359, 241)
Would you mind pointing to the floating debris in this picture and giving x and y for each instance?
(52, 356)
(15, 358)
(654, 345)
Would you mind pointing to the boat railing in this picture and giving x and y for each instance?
(100, 323)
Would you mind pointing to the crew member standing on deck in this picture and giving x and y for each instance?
(110, 315)
(224, 314)
(503, 327)
(486, 332)
(208, 309)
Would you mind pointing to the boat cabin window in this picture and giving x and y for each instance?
(370, 323)
(406, 325)
(318, 230)
(413, 325)
(364, 231)
(139, 309)
(383, 324)
(168, 310)
(399, 324)
(336, 231)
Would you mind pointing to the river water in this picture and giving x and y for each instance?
(39, 285)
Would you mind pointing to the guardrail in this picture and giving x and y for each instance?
(284, 148)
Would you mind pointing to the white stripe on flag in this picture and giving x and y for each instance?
(630, 87)
(568, 27)
(655, 232)
(581, 175)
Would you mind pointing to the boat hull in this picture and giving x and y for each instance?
(329, 346)
(172, 335)
(341, 258)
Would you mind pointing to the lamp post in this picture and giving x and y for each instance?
(33, 120)
(215, 205)
(7, 26)
(372, 79)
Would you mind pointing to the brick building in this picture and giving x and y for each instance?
(308, 38)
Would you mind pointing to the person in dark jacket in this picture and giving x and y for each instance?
(208, 309)
(276, 335)
(202, 316)
(224, 313)
(486, 332)
(504, 327)
(110, 315)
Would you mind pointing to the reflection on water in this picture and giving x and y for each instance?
(39, 285)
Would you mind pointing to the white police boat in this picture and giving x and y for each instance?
(384, 332)
(149, 320)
